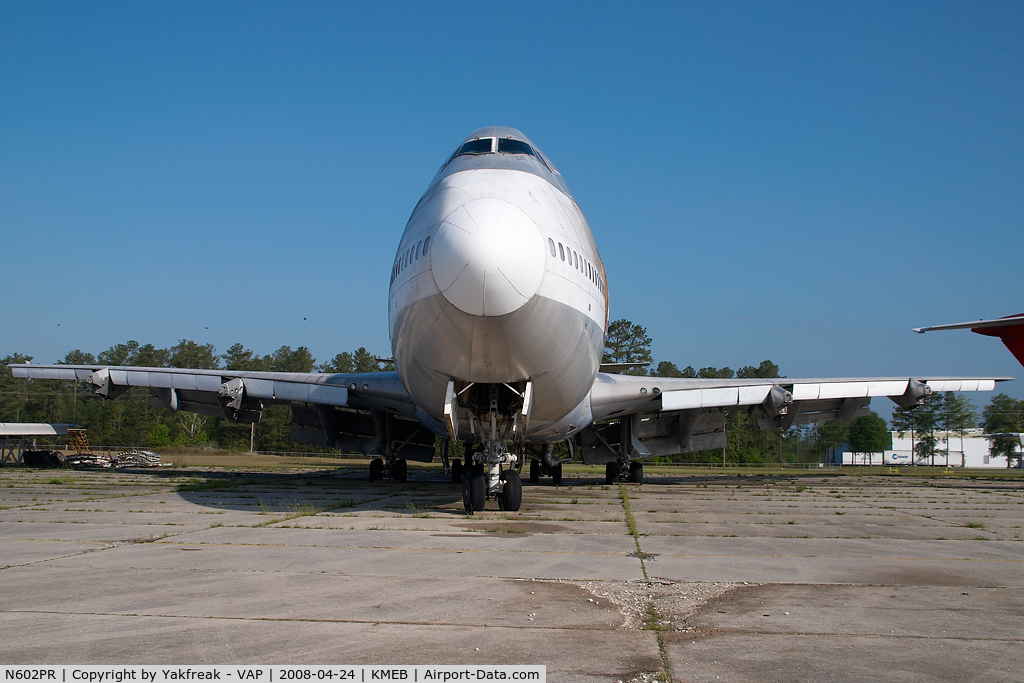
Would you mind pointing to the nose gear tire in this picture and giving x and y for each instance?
(512, 492)
(474, 491)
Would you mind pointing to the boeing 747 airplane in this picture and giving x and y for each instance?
(498, 309)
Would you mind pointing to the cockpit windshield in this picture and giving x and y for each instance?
(480, 146)
(510, 146)
(500, 147)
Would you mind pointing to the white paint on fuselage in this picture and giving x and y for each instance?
(556, 216)
(552, 240)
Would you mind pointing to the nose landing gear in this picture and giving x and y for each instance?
(486, 479)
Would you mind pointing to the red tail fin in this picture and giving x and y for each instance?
(1011, 335)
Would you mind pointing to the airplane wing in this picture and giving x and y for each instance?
(328, 409)
(650, 416)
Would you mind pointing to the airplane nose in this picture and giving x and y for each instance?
(487, 257)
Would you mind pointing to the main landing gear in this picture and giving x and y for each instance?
(621, 470)
(538, 469)
(397, 469)
(550, 466)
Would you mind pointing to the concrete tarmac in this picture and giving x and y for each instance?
(728, 578)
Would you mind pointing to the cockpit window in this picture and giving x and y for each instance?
(510, 146)
(481, 146)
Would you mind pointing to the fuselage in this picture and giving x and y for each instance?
(497, 281)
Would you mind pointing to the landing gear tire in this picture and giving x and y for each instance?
(611, 472)
(534, 471)
(376, 469)
(457, 470)
(512, 492)
(636, 472)
(556, 475)
(474, 492)
(400, 470)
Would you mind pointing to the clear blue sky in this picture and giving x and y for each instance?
(799, 182)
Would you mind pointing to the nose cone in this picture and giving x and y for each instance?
(487, 257)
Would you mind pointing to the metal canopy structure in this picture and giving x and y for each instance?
(13, 436)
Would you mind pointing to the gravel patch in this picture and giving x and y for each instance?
(674, 601)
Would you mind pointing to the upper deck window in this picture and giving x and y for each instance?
(510, 146)
(480, 146)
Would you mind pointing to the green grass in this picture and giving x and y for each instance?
(654, 621)
(631, 522)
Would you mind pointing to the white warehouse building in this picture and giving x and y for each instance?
(971, 451)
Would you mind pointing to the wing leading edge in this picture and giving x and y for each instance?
(651, 416)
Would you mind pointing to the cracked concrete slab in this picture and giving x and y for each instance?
(887, 578)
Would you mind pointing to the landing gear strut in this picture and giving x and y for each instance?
(497, 415)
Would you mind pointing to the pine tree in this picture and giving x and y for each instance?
(627, 342)
(958, 415)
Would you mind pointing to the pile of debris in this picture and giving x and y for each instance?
(134, 457)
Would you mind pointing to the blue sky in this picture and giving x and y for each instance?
(799, 182)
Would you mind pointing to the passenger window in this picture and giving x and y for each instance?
(510, 146)
(577, 260)
(551, 245)
(426, 243)
(418, 245)
(481, 146)
(561, 251)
